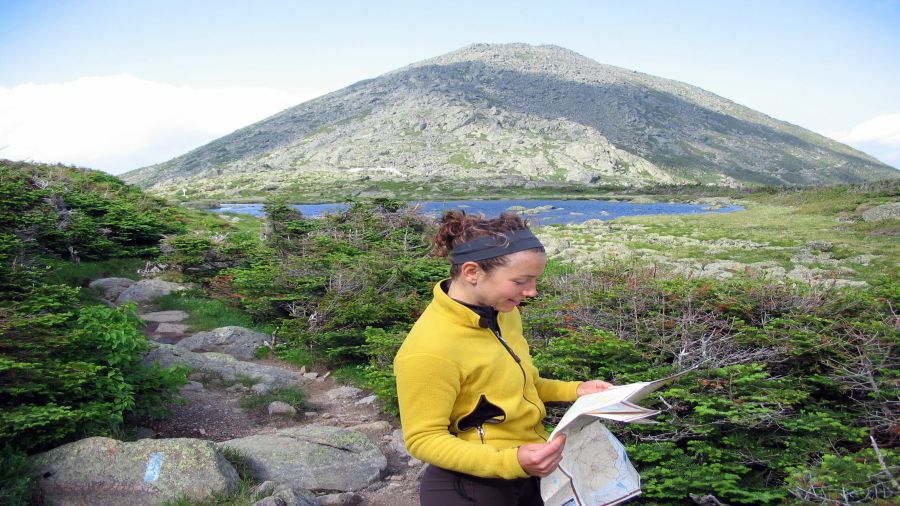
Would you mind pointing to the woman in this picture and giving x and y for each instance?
(471, 401)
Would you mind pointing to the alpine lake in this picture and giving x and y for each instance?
(539, 212)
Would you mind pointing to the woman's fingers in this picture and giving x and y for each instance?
(592, 387)
(541, 459)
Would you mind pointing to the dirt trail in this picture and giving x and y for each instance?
(213, 413)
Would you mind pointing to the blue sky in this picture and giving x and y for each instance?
(116, 85)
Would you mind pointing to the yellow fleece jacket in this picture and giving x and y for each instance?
(466, 404)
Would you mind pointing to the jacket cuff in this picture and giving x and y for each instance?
(511, 464)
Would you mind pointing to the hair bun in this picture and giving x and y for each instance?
(457, 227)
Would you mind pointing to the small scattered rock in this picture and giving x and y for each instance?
(279, 408)
(342, 392)
(260, 388)
(343, 499)
(265, 488)
(366, 400)
(823, 246)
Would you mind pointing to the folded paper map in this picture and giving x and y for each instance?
(595, 470)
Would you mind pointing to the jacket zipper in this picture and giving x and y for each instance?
(524, 380)
(480, 430)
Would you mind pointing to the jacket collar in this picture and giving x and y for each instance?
(469, 314)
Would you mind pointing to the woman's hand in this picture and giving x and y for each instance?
(592, 387)
(541, 459)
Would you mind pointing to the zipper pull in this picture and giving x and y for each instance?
(480, 430)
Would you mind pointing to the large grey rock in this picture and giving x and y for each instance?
(313, 457)
(890, 211)
(100, 471)
(147, 290)
(111, 287)
(226, 366)
(238, 342)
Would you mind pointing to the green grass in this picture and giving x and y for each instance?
(206, 314)
(350, 375)
(81, 274)
(296, 356)
(295, 396)
(464, 160)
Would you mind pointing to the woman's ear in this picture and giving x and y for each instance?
(470, 272)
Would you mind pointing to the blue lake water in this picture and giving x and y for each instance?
(563, 211)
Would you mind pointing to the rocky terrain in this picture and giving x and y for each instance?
(341, 450)
(511, 115)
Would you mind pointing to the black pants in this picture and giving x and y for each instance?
(440, 487)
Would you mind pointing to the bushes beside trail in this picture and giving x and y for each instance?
(69, 370)
(796, 395)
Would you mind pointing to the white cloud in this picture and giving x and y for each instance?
(884, 129)
(879, 137)
(117, 123)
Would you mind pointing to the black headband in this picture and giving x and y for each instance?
(492, 246)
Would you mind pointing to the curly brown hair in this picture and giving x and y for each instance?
(457, 227)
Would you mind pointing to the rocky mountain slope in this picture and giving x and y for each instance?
(505, 116)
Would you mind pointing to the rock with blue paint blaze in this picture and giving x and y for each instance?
(100, 471)
(313, 457)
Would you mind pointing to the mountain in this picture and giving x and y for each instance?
(504, 116)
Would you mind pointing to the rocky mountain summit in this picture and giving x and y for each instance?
(510, 115)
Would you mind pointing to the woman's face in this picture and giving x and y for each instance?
(506, 286)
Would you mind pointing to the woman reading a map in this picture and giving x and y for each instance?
(471, 400)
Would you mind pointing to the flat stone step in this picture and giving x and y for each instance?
(164, 316)
(171, 328)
